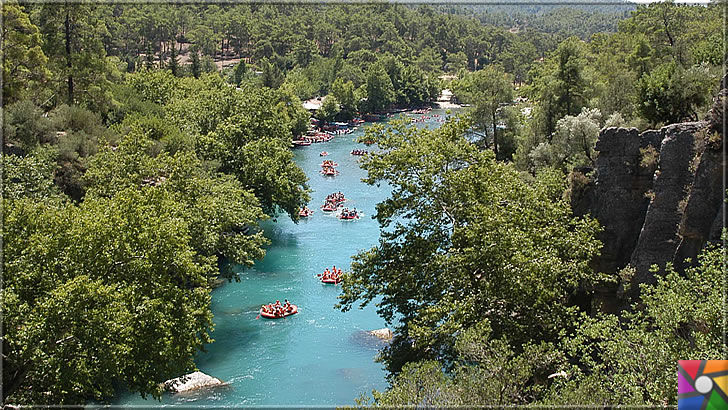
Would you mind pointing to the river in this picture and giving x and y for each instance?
(321, 356)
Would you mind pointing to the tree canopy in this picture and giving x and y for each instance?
(144, 144)
(464, 240)
(113, 292)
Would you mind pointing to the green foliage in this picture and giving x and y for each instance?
(415, 87)
(330, 108)
(649, 157)
(25, 126)
(456, 62)
(573, 142)
(24, 63)
(477, 263)
(344, 93)
(379, 89)
(559, 85)
(464, 239)
(246, 132)
(113, 292)
(487, 90)
(429, 61)
(154, 86)
(195, 65)
(304, 52)
(606, 361)
(218, 208)
(239, 73)
(674, 30)
(30, 176)
(291, 109)
(265, 165)
(173, 64)
(272, 76)
(207, 65)
(204, 38)
(570, 86)
(487, 373)
(299, 84)
(631, 359)
(671, 93)
(654, 71)
(160, 130)
(72, 40)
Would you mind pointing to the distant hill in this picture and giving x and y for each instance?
(567, 18)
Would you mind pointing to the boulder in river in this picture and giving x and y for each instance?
(192, 381)
(384, 334)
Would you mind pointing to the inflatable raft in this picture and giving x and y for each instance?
(329, 172)
(293, 311)
(348, 216)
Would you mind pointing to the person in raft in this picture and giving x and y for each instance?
(269, 308)
(333, 274)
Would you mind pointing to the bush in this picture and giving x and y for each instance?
(649, 157)
(75, 118)
(25, 126)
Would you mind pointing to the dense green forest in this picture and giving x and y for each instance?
(564, 20)
(144, 144)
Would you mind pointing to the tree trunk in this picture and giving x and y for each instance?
(495, 134)
(69, 65)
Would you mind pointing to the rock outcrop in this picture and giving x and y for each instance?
(659, 196)
(383, 334)
(659, 236)
(618, 197)
(716, 115)
(190, 382)
(700, 222)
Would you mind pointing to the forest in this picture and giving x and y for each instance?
(143, 146)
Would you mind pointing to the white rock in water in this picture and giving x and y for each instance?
(384, 334)
(192, 381)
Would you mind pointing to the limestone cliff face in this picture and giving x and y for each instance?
(618, 196)
(703, 217)
(659, 195)
(659, 237)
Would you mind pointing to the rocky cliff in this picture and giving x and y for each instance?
(659, 196)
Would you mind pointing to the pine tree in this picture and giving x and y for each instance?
(240, 70)
(173, 64)
(195, 66)
(149, 60)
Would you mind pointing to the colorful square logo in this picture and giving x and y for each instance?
(702, 384)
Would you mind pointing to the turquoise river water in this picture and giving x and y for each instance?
(320, 356)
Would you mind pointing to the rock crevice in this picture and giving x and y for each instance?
(658, 195)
